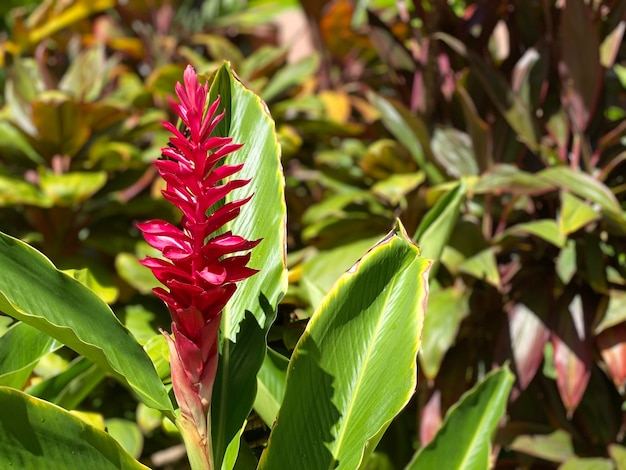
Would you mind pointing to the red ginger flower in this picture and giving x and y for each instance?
(200, 268)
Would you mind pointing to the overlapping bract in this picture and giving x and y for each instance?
(200, 265)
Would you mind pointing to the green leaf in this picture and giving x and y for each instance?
(87, 75)
(555, 447)
(136, 274)
(508, 178)
(13, 145)
(61, 127)
(615, 312)
(76, 391)
(464, 440)
(583, 185)
(221, 87)
(394, 188)
(234, 390)
(252, 309)
(290, 75)
(271, 381)
(446, 310)
(37, 434)
(591, 265)
(321, 271)
(453, 150)
(107, 291)
(127, 433)
(30, 291)
(618, 454)
(435, 228)
(69, 388)
(68, 189)
(579, 463)
(575, 214)
(566, 262)
(20, 349)
(16, 191)
(410, 130)
(264, 216)
(354, 367)
(482, 265)
(546, 229)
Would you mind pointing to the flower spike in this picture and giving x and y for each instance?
(200, 265)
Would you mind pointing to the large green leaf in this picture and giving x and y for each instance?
(20, 349)
(37, 434)
(249, 122)
(34, 291)
(354, 368)
(464, 440)
(235, 385)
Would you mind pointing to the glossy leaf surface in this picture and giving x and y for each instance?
(36, 434)
(355, 366)
(20, 349)
(247, 121)
(34, 291)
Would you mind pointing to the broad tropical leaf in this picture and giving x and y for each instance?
(354, 368)
(34, 291)
(37, 434)
(251, 311)
(17, 361)
(247, 121)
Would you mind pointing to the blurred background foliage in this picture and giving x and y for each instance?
(495, 130)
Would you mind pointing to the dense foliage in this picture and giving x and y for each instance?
(495, 131)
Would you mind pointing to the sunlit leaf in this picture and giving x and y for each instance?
(410, 130)
(290, 75)
(575, 214)
(454, 152)
(464, 440)
(554, 447)
(29, 288)
(546, 229)
(579, 463)
(355, 366)
(436, 226)
(37, 434)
